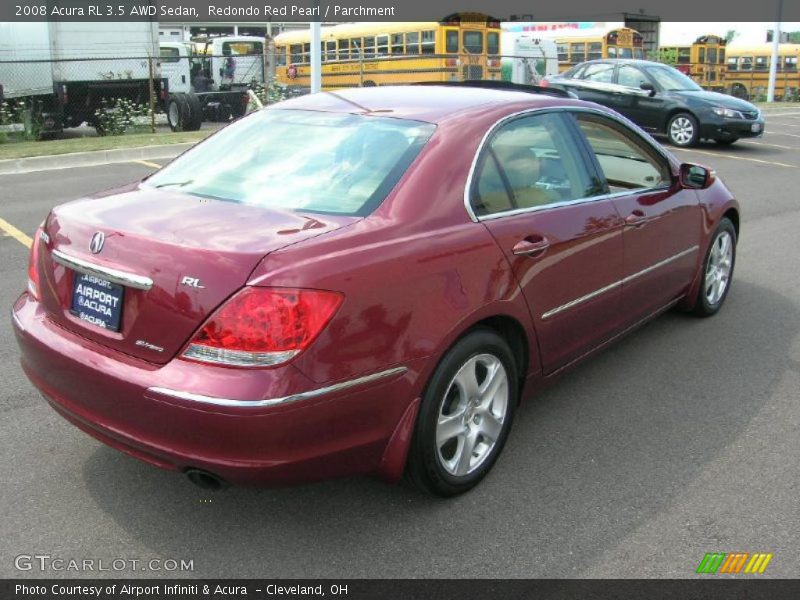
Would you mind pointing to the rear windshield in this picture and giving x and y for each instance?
(300, 160)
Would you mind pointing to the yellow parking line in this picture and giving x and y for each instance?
(764, 162)
(147, 163)
(11, 231)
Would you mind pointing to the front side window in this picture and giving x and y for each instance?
(493, 42)
(299, 160)
(451, 41)
(626, 163)
(529, 163)
(672, 80)
(630, 76)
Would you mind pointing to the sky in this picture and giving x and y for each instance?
(749, 33)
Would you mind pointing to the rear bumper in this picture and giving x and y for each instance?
(269, 427)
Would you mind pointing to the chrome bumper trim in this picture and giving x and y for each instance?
(16, 321)
(114, 275)
(336, 387)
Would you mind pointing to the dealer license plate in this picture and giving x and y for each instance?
(97, 301)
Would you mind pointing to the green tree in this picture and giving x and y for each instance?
(668, 56)
(730, 35)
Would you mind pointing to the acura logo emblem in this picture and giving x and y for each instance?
(96, 245)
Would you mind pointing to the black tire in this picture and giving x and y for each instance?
(708, 304)
(727, 142)
(427, 468)
(195, 113)
(177, 112)
(683, 130)
(739, 91)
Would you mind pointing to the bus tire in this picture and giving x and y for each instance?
(176, 112)
(195, 113)
(369, 83)
(739, 91)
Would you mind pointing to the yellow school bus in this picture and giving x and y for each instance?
(463, 46)
(704, 61)
(747, 73)
(617, 43)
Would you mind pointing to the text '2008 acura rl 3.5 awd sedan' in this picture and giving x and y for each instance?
(366, 281)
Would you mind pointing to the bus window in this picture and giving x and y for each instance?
(701, 55)
(280, 56)
(296, 51)
(429, 42)
(383, 45)
(762, 63)
(624, 52)
(344, 50)
(451, 41)
(684, 56)
(306, 53)
(397, 43)
(330, 50)
(355, 47)
(595, 51)
(412, 42)
(612, 52)
(493, 42)
(722, 56)
(577, 52)
(638, 53)
(790, 63)
(562, 53)
(746, 63)
(369, 47)
(473, 42)
(712, 56)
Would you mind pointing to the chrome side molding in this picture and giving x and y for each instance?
(572, 303)
(139, 282)
(336, 387)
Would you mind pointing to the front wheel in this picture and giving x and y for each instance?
(683, 130)
(717, 270)
(465, 415)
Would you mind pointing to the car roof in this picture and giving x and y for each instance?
(431, 103)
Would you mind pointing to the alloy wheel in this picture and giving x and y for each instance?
(718, 269)
(471, 415)
(681, 130)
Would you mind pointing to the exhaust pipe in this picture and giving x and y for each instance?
(205, 480)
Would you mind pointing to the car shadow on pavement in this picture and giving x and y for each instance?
(591, 459)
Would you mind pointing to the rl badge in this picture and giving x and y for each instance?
(97, 301)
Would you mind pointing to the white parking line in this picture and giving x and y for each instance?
(769, 145)
(757, 160)
(783, 133)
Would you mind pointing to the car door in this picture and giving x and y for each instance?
(643, 107)
(662, 219)
(532, 189)
(594, 83)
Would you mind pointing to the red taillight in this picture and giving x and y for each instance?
(544, 83)
(451, 62)
(260, 327)
(33, 265)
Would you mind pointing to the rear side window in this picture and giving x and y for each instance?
(627, 164)
(528, 163)
(300, 160)
(599, 72)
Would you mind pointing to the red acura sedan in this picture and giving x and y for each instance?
(365, 281)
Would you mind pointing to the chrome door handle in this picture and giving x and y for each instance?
(636, 219)
(530, 247)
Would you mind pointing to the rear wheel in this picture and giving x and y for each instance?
(739, 91)
(717, 270)
(465, 415)
(195, 109)
(683, 130)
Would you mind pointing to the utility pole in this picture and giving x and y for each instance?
(316, 51)
(773, 64)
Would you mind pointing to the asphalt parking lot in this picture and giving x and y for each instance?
(680, 440)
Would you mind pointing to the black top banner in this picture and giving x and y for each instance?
(262, 11)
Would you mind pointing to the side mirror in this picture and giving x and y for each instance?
(648, 87)
(696, 177)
